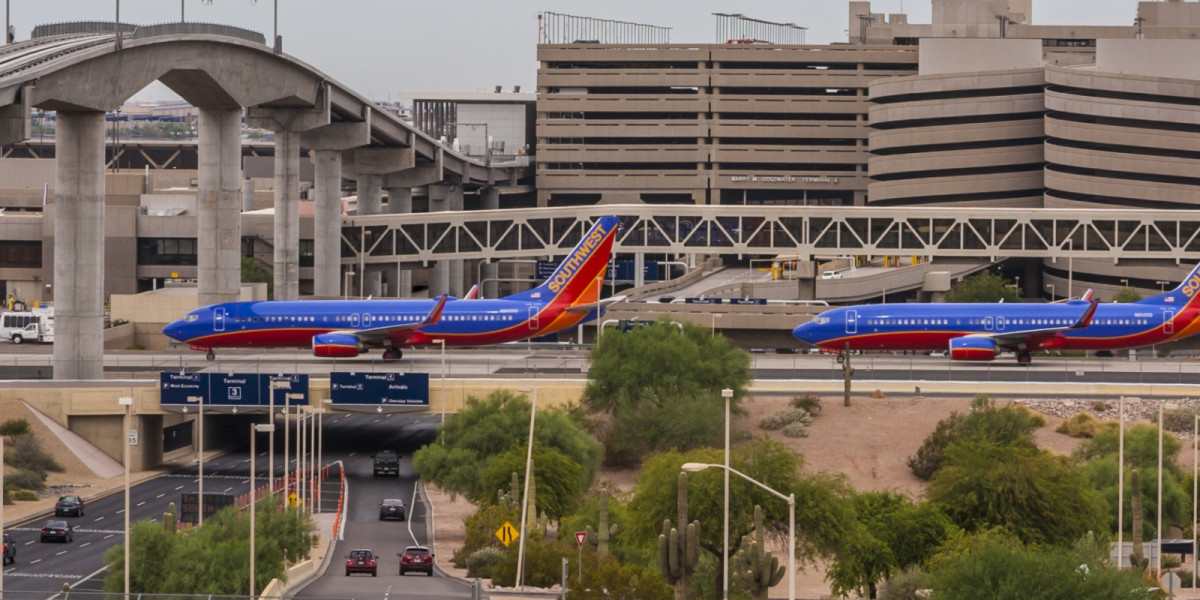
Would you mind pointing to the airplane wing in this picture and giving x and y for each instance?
(473, 293)
(1036, 337)
(400, 332)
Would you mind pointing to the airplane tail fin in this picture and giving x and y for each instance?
(580, 276)
(1184, 293)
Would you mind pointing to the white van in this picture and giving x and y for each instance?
(20, 327)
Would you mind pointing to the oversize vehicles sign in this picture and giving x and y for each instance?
(379, 389)
(229, 389)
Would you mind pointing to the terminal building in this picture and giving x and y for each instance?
(980, 108)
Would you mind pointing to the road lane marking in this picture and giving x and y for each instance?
(60, 553)
(85, 544)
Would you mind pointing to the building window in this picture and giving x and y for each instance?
(167, 251)
(20, 255)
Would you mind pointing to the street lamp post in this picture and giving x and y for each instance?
(1051, 286)
(727, 394)
(1, 511)
(525, 496)
(127, 402)
(200, 457)
(1121, 483)
(1195, 471)
(790, 499)
(276, 384)
(442, 430)
(346, 284)
(254, 429)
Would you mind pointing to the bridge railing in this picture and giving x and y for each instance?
(145, 31)
(76, 27)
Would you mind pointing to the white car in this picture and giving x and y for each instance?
(831, 275)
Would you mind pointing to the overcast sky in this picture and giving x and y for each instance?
(382, 48)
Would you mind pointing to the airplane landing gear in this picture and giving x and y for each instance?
(210, 355)
(392, 353)
(1024, 357)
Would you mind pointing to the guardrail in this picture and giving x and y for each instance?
(147, 31)
(76, 27)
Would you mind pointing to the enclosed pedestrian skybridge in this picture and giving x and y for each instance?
(985, 234)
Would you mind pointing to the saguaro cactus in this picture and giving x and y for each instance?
(599, 539)
(511, 498)
(1137, 560)
(753, 568)
(169, 518)
(679, 548)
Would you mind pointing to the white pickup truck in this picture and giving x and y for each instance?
(41, 331)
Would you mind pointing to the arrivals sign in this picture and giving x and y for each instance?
(379, 389)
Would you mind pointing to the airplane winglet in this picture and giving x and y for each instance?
(1088, 295)
(472, 293)
(1088, 313)
(435, 313)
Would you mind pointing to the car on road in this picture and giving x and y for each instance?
(416, 558)
(9, 550)
(831, 275)
(361, 561)
(58, 531)
(391, 508)
(68, 506)
(385, 462)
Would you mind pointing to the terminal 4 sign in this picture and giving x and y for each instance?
(379, 390)
(229, 392)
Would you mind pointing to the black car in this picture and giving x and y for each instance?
(58, 531)
(10, 550)
(391, 508)
(68, 506)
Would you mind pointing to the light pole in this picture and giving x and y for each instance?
(1051, 286)
(715, 316)
(127, 402)
(1195, 471)
(200, 456)
(727, 394)
(346, 284)
(442, 431)
(254, 429)
(790, 499)
(1162, 286)
(1121, 484)
(276, 384)
(525, 497)
(2, 541)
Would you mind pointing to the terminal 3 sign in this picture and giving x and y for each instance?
(229, 392)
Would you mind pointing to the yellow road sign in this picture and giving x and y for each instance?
(507, 533)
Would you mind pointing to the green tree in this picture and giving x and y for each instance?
(892, 534)
(253, 273)
(1099, 466)
(822, 512)
(1039, 497)
(999, 568)
(659, 387)
(1127, 294)
(557, 479)
(1009, 425)
(983, 287)
(486, 431)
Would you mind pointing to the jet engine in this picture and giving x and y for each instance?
(972, 348)
(335, 345)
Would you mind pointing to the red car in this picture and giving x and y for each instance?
(416, 558)
(361, 561)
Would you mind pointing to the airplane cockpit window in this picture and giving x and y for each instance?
(820, 320)
(191, 318)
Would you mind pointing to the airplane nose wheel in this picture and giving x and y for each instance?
(210, 355)
(392, 354)
(1024, 357)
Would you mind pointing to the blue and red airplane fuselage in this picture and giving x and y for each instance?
(979, 331)
(345, 328)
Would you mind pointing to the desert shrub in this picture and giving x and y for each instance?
(796, 430)
(7, 496)
(783, 418)
(27, 480)
(13, 427)
(903, 585)
(1008, 425)
(23, 495)
(808, 402)
(480, 562)
(1179, 419)
(1082, 425)
(27, 453)
(480, 528)
(1101, 406)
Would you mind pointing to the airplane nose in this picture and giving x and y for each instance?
(174, 330)
(804, 333)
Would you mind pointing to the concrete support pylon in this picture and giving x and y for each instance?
(79, 246)
(445, 197)
(489, 198)
(287, 214)
(399, 200)
(370, 202)
(327, 223)
(219, 220)
(247, 195)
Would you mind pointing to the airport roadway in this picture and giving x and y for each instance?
(41, 569)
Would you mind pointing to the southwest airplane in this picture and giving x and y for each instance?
(345, 328)
(979, 331)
